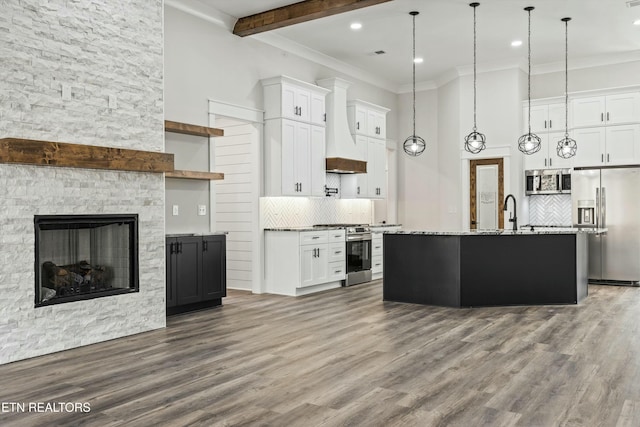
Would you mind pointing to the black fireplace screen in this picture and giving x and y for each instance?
(85, 256)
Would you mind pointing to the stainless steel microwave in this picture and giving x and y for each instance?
(547, 181)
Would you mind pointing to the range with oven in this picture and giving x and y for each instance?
(358, 252)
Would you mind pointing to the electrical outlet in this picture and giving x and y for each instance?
(176, 210)
(202, 210)
(113, 102)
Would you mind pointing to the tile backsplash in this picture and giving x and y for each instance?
(550, 209)
(303, 211)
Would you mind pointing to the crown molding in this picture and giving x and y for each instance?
(203, 11)
(297, 49)
(588, 62)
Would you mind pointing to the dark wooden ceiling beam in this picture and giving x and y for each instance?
(296, 13)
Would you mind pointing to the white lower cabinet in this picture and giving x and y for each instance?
(321, 261)
(377, 249)
(314, 268)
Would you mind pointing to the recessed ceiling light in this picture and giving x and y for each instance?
(516, 43)
(418, 60)
(356, 25)
(636, 22)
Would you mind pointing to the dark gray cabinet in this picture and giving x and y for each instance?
(196, 272)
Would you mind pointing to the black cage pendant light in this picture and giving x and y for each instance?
(567, 147)
(529, 143)
(414, 145)
(475, 141)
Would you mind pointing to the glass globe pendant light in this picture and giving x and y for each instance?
(475, 141)
(529, 143)
(567, 147)
(414, 145)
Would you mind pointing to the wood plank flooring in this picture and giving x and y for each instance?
(346, 358)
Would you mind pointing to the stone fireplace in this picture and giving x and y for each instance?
(88, 73)
(85, 256)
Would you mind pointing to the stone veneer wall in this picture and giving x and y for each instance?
(99, 50)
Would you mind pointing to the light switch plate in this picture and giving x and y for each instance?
(176, 210)
(66, 92)
(202, 210)
(113, 102)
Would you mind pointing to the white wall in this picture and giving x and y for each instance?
(418, 181)
(450, 142)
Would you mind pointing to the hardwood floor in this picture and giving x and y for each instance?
(345, 358)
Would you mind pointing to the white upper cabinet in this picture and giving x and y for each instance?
(318, 115)
(606, 110)
(294, 138)
(545, 118)
(607, 146)
(547, 157)
(368, 125)
(367, 119)
(285, 97)
(376, 123)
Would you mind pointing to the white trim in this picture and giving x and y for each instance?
(465, 70)
(420, 86)
(588, 62)
(234, 111)
(203, 11)
(583, 94)
(320, 58)
(255, 118)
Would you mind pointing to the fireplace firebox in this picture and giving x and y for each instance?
(80, 257)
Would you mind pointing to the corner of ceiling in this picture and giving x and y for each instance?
(203, 11)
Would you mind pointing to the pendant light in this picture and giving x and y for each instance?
(529, 143)
(475, 141)
(414, 145)
(567, 147)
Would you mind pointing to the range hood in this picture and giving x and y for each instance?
(342, 154)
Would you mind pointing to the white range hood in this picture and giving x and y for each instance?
(342, 153)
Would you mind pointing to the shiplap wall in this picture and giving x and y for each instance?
(236, 204)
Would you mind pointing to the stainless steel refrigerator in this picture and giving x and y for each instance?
(609, 198)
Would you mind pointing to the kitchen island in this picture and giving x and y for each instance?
(487, 268)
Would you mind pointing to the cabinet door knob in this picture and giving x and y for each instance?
(602, 117)
(550, 161)
(550, 124)
(358, 125)
(607, 157)
(325, 117)
(607, 116)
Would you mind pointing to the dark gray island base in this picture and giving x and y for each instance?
(469, 269)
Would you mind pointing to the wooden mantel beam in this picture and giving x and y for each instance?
(296, 13)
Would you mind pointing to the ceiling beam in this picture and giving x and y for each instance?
(296, 13)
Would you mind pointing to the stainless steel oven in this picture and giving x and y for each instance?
(358, 255)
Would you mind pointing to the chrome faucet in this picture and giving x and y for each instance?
(514, 218)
